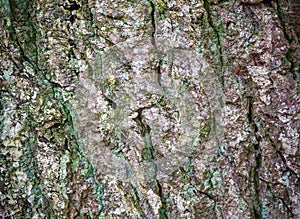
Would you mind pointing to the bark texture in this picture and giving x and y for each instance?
(149, 109)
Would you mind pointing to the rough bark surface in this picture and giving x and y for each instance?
(149, 109)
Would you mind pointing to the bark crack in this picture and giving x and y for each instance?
(153, 42)
(283, 159)
(289, 54)
(145, 132)
(153, 22)
(148, 154)
(254, 177)
(211, 24)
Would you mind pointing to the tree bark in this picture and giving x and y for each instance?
(149, 109)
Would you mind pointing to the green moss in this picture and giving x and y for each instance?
(147, 154)
(205, 130)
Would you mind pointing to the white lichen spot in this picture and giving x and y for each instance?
(264, 97)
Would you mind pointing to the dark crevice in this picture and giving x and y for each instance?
(281, 16)
(148, 154)
(95, 29)
(289, 55)
(208, 195)
(283, 159)
(209, 174)
(30, 161)
(153, 23)
(73, 7)
(249, 114)
(289, 210)
(250, 117)
(153, 42)
(257, 206)
(110, 102)
(254, 177)
(13, 35)
(72, 18)
(163, 213)
(144, 128)
(137, 201)
(158, 72)
(211, 24)
(148, 151)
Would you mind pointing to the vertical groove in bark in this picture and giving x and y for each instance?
(149, 156)
(207, 8)
(286, 17)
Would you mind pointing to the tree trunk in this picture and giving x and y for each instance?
(149, 109)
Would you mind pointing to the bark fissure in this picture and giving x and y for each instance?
(283, 159)
(41, 203)
(289, 55)
(153, 23)
(148, 155)
(137, 202)
(158, 72)
(163, 212)
(217, 34)
(254, 172)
